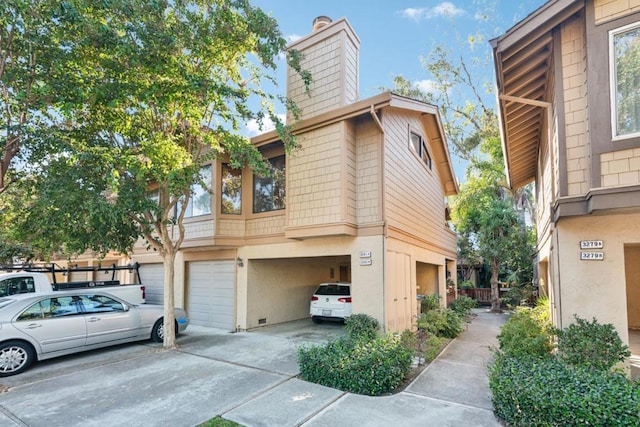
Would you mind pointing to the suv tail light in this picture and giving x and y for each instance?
(345, 299)
(144, 292)
(314, 298)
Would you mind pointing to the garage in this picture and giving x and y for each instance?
(279, 290)
(211, 293)
(152, 277)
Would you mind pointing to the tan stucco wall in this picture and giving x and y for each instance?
(632, 275)
(402, 281)
(595, 288)
(426, 278)
(574, 79)
(620, 168)
(606, 10)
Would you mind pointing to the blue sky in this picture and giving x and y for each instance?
(395, 34)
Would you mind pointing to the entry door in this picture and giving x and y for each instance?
(211, 294)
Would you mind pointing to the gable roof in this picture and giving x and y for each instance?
(430, 117)
(523, 60)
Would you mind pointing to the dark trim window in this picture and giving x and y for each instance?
(200, 200)
(420, 148)
(231, 190)
(624, 49)
(269, 191)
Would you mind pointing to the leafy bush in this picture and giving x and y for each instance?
(530, 391)
(463, 305)
(364, 367)
(518, 295)
(466, 284)
(591, 344)
(361, 327)
(429, 302)
(527, 332)
(441, 322)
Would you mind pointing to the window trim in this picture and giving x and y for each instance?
(612, 82)
(253, 189)
(211, 199)
(423, 149)
(224, 166)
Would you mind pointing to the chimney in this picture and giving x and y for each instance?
(330, 53)
(320, 22)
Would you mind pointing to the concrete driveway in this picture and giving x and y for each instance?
(141, 384)
(247, 377)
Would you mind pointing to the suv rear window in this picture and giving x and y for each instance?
(333, 289)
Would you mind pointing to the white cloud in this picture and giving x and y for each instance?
(427, 86)
(447, 9)
(253, 128)
(292, 38)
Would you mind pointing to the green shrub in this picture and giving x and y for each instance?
(463, 305)
(361, 327)
(466, 284)
(364, 367)
(429, 302)
(530, 391)
(527, 332)
(591, 344)
(518, 295)
(441, 322)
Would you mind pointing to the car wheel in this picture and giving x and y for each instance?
(15, 357)
(316, 320)
(157, 333)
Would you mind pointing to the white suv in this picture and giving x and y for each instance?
(331, 301)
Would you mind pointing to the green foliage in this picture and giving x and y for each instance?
(463, 305)
(441, 322)
(591, 344)
(518, 295)
(527, 332)
(361, 327)
(466, 284)
(365, 367)
(219, 422)
(531, 391)
(429, 302)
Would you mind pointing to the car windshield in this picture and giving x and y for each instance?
(334, 289)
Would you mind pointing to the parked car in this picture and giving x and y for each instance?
(331, 301)
(42, 326)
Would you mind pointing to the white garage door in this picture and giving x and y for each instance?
(152, 277)
(211, 294)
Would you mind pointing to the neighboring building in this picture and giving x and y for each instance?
(362, 200)
(569, 99)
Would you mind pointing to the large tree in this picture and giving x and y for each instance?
(157, 89)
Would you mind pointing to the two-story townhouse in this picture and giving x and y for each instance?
(362, 200)
(569, 102)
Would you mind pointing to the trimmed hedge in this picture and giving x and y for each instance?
(441, 322)
(463, 305)
(370, 367)
(531, 391)
(527, 332)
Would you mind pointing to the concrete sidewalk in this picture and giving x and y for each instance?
(248, 377)
(452, 391)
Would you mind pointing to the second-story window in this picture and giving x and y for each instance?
(625, 80)
(420, 147)
(200, 201)
(269, 191)
(231, 190)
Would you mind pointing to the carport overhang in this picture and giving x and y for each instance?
(523, 60)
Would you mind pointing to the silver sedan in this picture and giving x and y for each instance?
(42, 326)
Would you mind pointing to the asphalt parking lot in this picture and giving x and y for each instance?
(143, 384)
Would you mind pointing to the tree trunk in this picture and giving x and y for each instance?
(169, 303)
(495, 287)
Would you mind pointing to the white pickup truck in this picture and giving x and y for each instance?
(30, 280)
